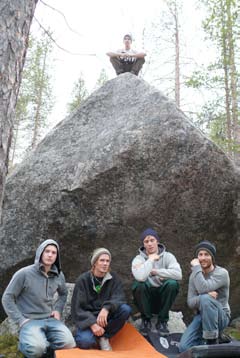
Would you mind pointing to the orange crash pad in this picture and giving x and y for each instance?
(126, 343)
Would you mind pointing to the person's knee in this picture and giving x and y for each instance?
(69, 341)
(172, 285)
(141, 60)
(86, 343)
(85, 339)
(140, 287)
(59, 335)
(205, 300)
(115, 61)
(125, 311)
(33, 351)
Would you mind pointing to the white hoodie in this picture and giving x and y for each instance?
(167, 267)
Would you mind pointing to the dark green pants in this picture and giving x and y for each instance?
(122, 67)
(155, 300)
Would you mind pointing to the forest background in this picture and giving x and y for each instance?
(192, 57)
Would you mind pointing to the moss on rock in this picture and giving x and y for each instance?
(9, 346)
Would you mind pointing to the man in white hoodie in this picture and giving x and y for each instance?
(156, 286)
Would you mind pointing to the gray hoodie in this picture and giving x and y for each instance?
(200, 283)
(30, 293)
(167, 267)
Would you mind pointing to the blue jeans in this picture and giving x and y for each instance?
(207, 324)
(39, 334)
(85, 339)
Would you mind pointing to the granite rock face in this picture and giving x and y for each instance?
(126, 160)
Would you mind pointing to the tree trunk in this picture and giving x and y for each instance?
(14, 143)
(177, 60)
(225, 60)
(39, 105)
(233, 86)
(15, 21)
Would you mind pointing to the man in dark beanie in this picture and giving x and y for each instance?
(127, 59)
(98, 305)
(156, 286)
(208, 294)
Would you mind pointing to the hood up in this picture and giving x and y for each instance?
(40, 250)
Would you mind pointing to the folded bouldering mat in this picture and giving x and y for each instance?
(223, 350)
(128, 342)
(165, 345)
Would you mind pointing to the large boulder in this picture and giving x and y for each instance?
(127, 159)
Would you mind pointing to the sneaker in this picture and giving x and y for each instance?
(162, 329)
(145, 326)
(212, 341)
(104, 344)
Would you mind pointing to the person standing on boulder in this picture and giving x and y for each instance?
(127, 59)
(156, 286)
(208, 294)
(98, 306)
(30, 301)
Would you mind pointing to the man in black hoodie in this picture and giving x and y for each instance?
(29, 300)
(98, 309)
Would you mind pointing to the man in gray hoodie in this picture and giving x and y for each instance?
(156, 286)
(29, 300)
(208, 294)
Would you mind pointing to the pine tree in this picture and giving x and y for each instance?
(221, 113)
(35, 100)
(103, 77)
(79, 93)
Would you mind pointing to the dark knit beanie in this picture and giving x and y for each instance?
(127, 35)
(150, 232)
(207, 246)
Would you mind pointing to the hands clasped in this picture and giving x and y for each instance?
(98, 328)
(154, 257)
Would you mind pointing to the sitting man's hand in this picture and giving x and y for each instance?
(213, 294)
(56, 315)
(154, 272)
(154, 257)
(102, 317)
(195, 262)
(97, 330)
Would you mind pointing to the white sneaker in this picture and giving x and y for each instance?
(104, 344)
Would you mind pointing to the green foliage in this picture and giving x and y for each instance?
(233, 332)
(36, 85)
(221, 114)
(103, 77)
(208, 78)
(35, 100)
(9, 346)
(79, 93)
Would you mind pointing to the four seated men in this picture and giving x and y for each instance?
(99, 309)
